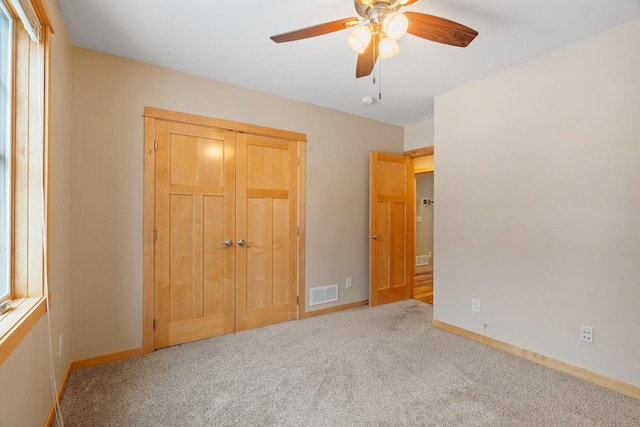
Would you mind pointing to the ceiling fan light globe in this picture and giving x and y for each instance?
(395, 25)
(359, 39)
(388, 47)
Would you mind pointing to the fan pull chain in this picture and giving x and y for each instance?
(373, 78)
(380, 79)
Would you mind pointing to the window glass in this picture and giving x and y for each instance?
(6, 60)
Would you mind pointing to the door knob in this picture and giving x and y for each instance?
(227, 242)
(375, 237)
(241, 243)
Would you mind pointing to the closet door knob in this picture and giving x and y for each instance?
(227, 242)
(241, 243)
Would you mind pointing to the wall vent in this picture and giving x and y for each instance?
(422, 260)
(324, 294)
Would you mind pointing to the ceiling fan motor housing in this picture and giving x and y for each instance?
(376, 10)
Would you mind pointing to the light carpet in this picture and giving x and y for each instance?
(381, 366)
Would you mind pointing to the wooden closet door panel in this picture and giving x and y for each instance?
(194, 216)
(266, 219)
(213, 268)
(283, 249)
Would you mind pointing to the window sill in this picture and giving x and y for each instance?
(17, 322)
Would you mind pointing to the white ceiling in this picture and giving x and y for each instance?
(229, 41)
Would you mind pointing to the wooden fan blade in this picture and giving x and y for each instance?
(316, 30)
(367, 59)
(439, 29)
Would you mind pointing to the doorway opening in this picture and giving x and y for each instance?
(423, 278)
(423, 174)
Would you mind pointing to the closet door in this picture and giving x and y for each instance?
(194, 291)
(222, 247)
(266, 223)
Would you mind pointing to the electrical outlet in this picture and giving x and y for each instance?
(475, 305)
(349, 282)
(60, 341)
(586, 334)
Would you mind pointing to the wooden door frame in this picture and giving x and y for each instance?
(151, 115)
(419, 152)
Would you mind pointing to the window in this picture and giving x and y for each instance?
(23, 166)
(6, 49)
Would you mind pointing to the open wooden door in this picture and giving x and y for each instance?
(391, 226)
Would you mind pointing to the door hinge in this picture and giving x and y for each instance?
(155, 235)
(154, 324)
(298, 161)
(297, 300)
(298, 231)
(155, 144)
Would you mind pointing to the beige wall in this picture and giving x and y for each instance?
(27, 392)
(109, 94)
(538, 211)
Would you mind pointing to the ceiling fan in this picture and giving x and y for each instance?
(381, 25)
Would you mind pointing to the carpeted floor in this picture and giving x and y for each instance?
(382, 366)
